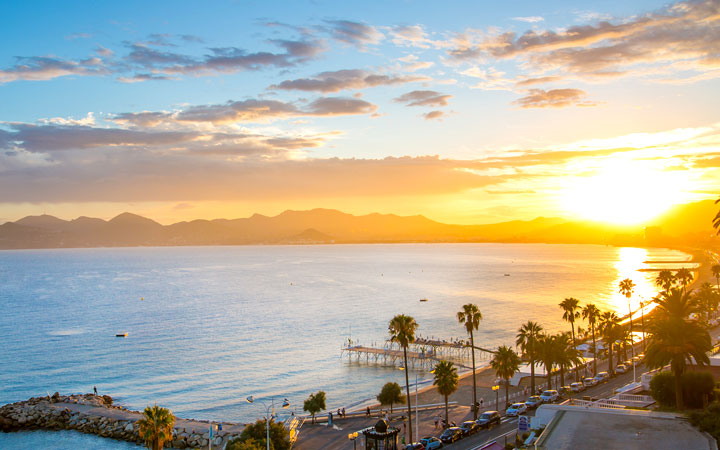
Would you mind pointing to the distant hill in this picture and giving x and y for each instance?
(684, 224)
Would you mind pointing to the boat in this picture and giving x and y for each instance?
(423, 299)
(121, 334)
(507, 274)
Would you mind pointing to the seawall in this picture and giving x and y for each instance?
(92, 414)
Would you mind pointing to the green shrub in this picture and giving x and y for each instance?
(708, 420)
(695, 385)
(662, 388)
(254, 437)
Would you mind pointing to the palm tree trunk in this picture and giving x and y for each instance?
(532, 376)
(610, 358)
(678, 390)
(447, 419)
(407, 390)
(642, 319)
(548, 370)
(391, 411)
(562, 376)
(472, 349)
(594, 352)
(507, 386)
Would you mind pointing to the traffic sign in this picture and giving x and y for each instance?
(523, 424)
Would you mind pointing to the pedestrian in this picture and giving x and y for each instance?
(525, 391)
(367, 411)
(338, 412)
(436, 422)
(330, 419)
(95, 389)
(482, 402)
(343, 411)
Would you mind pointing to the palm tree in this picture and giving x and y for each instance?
(570, 307)
(611, 331)
(446, 380)
(527, 339)
(402, 330)
(676, 304)
(505, 362)
(156, 427)
(470, 316)
(546, 353)
(591, 313)
(566, 354)
(677, 341)
(684, 276)
(716, 273)
(626, 288)
(665, 279)
(707, 300)
(716, 220)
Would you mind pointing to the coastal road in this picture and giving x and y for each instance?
(509, 424)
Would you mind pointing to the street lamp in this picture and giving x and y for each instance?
(285, 404)
(496, 388)
(352, 437)
(417, 419)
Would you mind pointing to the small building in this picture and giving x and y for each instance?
(381, 436)
(573, 427)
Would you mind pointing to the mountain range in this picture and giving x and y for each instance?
(688, 224)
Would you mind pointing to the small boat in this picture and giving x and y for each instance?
(507, 274)
(423, 299)
(121, 334)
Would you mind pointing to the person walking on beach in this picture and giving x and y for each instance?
(95, 390)
(436, 422)
(367, 411)
(343, 411)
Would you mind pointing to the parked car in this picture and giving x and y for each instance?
(533, 402)
(488, 419)
(516, 409)
(577, 387)
(602, 377)
(621, 368)
(431, 443)
(469, 427)
(590, 382)
(415, 446)
(564, 391)
(451, 435)
(549, 396)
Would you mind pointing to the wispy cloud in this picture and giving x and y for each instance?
(424, 98)
(340, 80)
(353, 33)
(529, 19)
(554, 98)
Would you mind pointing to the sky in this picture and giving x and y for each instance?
(462, 111)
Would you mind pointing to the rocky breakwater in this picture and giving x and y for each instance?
(97, 415)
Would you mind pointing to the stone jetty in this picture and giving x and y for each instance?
(93, 414)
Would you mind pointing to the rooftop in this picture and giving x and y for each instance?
(574, 427)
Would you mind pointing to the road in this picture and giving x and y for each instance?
(509, 424)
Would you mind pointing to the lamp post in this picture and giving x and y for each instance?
(496, 388)
(417, 425)
(285, 404)
(352, 437)
(643, 304)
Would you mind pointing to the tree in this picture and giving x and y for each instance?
(527, 339)
(684, 276)
(156, 427)
(402, 330)
(314, 404)
(676, 341)
(591, 313)
(611, 331)
(505, 362)
(546, 354)
(571, 308)
(716, 220)
(566, 355)
(707, 300)
(470, 316)
(446, 380)
(254, 436)
(626, 288)
(665, 279)
(716, 273)
(676, 303)
(391, 393)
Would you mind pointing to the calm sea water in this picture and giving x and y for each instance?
(209, 326)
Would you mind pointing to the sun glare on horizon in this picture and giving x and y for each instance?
(623, 193)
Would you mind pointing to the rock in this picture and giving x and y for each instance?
(107, 400)
(129, 427)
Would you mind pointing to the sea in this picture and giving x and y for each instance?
(208, 326)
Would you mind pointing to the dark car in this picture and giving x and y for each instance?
(469, 427)
(451, 435)
(488, 419)
(533, 402)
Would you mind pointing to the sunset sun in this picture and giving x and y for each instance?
(623, 193)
